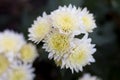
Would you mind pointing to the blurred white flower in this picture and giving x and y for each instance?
(21, 72)
(16, 57)
(40, 28)
(89, 77)
(11, 41)
(28, 53)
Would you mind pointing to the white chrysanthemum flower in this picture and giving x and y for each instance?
(67, 20)
(57, 44)
(88, 21)
(11, 41)
(80, 56)
(89, 77)
(28, 53)
(21, 72)
(4, 65)
(40, 28)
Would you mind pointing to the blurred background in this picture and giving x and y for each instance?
(18, 15)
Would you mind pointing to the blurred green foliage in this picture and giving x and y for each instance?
(18, 15)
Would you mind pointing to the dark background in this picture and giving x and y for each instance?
(18, 15)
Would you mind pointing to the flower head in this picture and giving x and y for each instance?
(21, 72)
(40, 28)
(57, 44)
(66, 19)
(28, 53)
(88, 77)
(88, 21)
(9, 41)
(80, 56)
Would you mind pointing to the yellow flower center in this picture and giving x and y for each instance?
(8, 43)
(59, 42)
(18, 75)
(86, 21)
(4, 64)
(78, 56)
(65, 22)
(27, 52)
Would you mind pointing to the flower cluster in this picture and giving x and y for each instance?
(58, 31)
(16, 57)
(87, 76)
